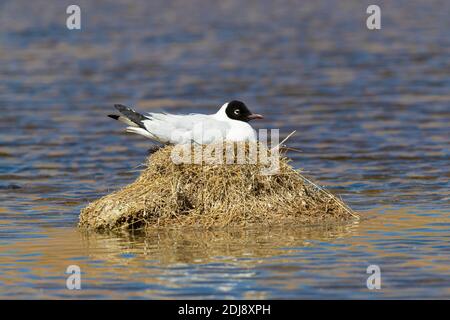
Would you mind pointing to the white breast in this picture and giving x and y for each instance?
(240, 131)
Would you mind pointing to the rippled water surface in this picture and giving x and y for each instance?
(371, 108)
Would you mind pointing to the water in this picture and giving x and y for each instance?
(372, 111)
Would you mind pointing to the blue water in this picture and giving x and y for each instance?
(371, 108)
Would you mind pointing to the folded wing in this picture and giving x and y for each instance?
(178, 129)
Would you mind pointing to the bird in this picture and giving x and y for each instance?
(229, 124)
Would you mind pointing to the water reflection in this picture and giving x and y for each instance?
(160, 259)
(193, 246)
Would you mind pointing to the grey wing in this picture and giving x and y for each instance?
(178, 129)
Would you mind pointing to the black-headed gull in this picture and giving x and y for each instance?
(230, 123)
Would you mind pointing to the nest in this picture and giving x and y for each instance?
(211, 193)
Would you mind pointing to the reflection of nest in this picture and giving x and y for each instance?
(170, 246)
(169, 194)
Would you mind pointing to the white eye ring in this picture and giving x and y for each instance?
(236, 111)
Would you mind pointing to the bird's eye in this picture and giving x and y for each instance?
(236, 112)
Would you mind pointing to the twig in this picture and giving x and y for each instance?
(291, 149)
(340, 203)
(284, 140)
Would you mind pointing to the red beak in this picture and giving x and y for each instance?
(255, 116)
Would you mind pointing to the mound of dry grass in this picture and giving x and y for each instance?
(214, 195)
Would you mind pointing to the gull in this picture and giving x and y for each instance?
(230, 123)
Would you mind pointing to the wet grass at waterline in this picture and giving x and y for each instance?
(209, 194)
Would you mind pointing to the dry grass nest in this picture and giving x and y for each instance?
(167, 194)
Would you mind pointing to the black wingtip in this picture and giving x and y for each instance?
(131, 115)
(114, 116)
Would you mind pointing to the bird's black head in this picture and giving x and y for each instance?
(237, 110)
